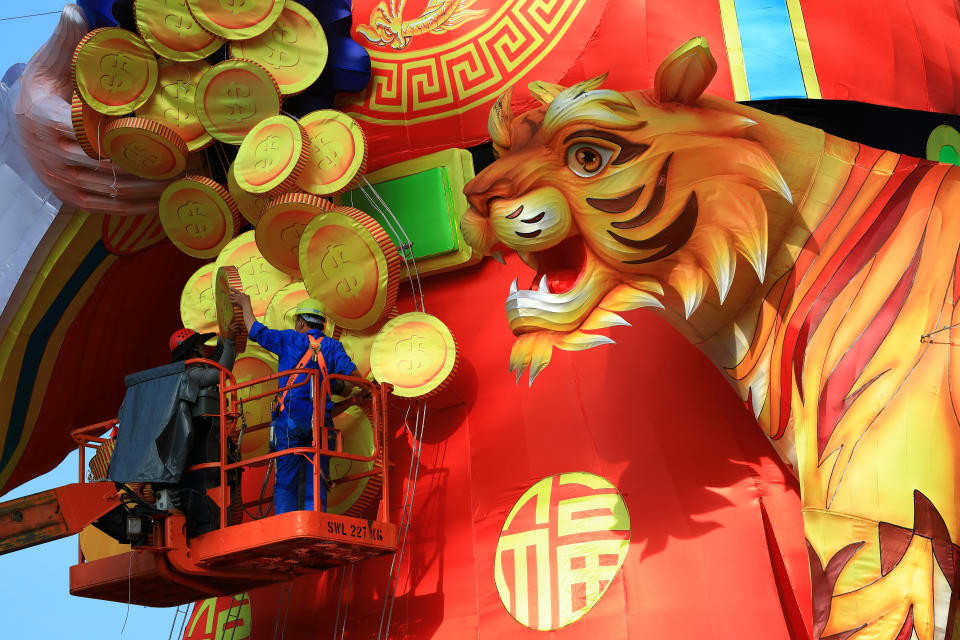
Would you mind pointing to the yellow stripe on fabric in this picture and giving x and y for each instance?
(731, 38)
(50, 355)
(804, 53)
(81, 233)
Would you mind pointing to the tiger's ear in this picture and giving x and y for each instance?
(544, 92)
(499, 122)
(685, 74)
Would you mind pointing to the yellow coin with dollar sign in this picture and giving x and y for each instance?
(251, 205)
(226, 278)
(172, 102)
(197, 308)
(114, 71)
(233, 96)
(281, 226)
(145, 148)
(198, 215)
(338, 152)
(272, 156)
(256, 362)
(171, 30)
(416, 353)
(261, 281)
(351, 265)
(236, 19)
(293, 50)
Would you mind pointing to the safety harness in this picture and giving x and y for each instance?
(312, 353)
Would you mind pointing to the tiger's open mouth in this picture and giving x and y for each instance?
(567, 285)
(562, 266)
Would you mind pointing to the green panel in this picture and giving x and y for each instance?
(424, 205)
(948, 155)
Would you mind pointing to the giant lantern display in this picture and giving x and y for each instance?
(708, 391)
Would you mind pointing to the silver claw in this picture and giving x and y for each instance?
(513, 285)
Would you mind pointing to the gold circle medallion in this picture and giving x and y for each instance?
(171, 30)
(416, 353)
(197, 308)
(233, 96)
(145, 148)
(293, 50)
(198, 215)
(226, 278)
(351, 265)
(236, 19)
(88, 126)
(261, 281)
(271, 156)
(338, 152)
(281, 226)
(172, 102)
(114, 71)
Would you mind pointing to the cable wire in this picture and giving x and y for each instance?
(30, 15)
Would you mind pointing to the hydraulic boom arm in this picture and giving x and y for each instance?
(53, 514)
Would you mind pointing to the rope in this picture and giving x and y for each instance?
(230, 614)
(386, 615)
(129, 591)
(346, 605)
(285, 589)
(389, 218)
(336, 621)
(183, 622)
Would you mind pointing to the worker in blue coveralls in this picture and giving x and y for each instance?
(304, 346)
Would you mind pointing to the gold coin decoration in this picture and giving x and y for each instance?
(224, 279)
(236, 19)
(197, 307)
(198, 215)
(351, 266)
(172, 102)
(358, 344)
(114, 71)
(272, 156)
(281, 312)
(233, 96)
(88, 126)
(279, 230)
(353, 498)
(416, 353)
(261, 281)
(293, 50)
(251, 205)
(171, 30)
(256, 362)
(145, 148)
(338, 152)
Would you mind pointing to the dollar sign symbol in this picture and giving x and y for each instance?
(252, 272)
(327, 152)
(265, 153)
(348, 275)
(195, 222)
(116, 75)
(410, 351)
(236, 97)
(207, 302)
(235, 6)
(177, 94)
(174, 20)
(290, 237)
(281, 55)
(138, 155)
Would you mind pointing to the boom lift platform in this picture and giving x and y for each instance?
(165, 566)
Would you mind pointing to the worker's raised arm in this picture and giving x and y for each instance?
(242, 300)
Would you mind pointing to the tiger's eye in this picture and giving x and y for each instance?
(589, 159)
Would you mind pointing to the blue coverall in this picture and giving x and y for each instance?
(292, 427)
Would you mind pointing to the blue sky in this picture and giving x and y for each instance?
(34, 589)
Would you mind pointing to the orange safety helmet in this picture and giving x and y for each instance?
(183, 340)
